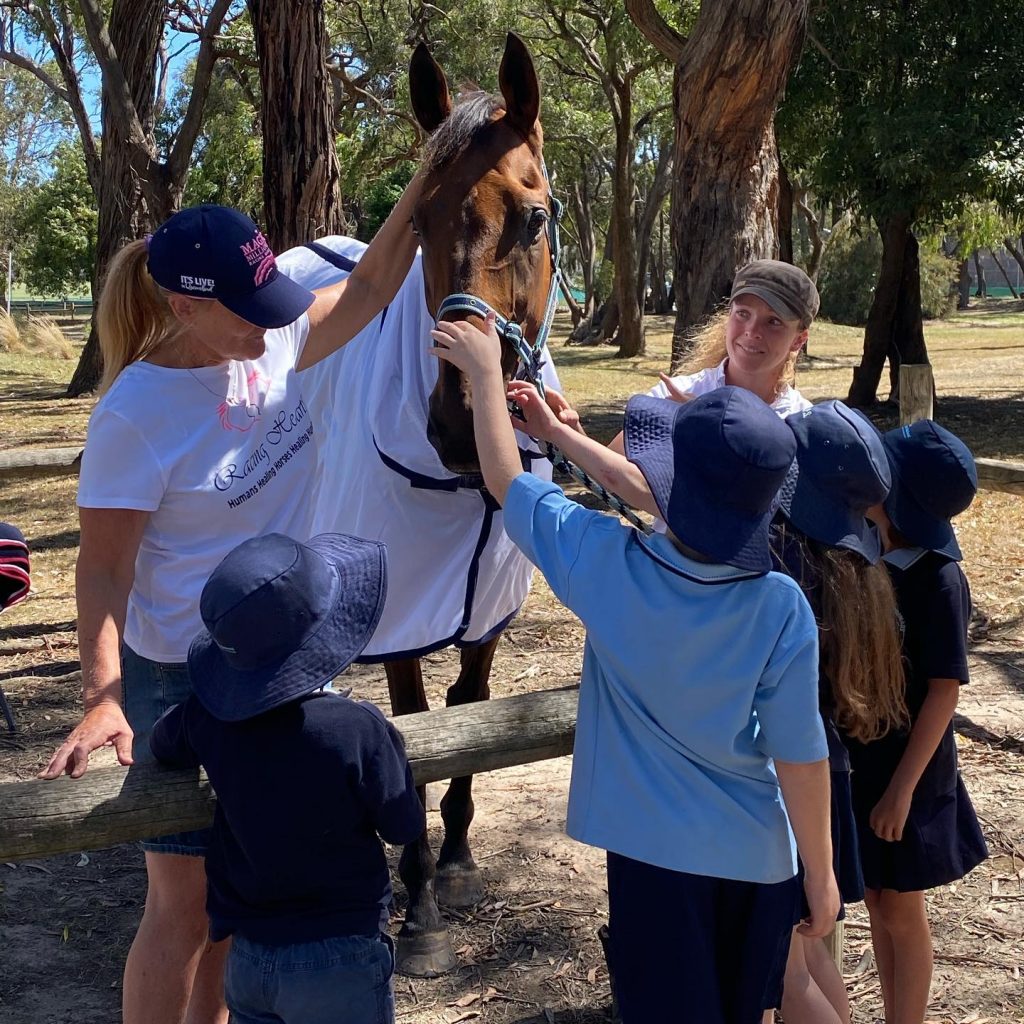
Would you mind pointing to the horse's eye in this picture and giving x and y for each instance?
(415, 229)
(537, 220)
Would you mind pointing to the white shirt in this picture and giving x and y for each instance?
(454, 576)
(216, 454)
(789, 400)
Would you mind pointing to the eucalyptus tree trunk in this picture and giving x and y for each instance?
(981, 291)
(894, 329)
(729, 77)
(301, 177)
(125, 211)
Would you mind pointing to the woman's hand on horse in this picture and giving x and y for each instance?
(102, 726)
(477, 353)
(538, 418)
(675, 392)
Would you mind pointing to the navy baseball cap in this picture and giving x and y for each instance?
(714, 466)
(14, 566)
(841, 471)
(933, 479)
(214, 252)
(283, 619)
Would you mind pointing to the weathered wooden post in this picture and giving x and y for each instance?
(917, 392)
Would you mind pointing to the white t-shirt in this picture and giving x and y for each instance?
(789, 400)
(217, 454)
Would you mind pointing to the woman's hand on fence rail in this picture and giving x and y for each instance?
(102, 726)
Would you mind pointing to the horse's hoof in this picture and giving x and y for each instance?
(426, 955)
(458, 887)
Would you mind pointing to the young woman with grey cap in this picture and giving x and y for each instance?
(753, 345)
(202, 439)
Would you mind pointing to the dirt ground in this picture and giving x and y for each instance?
(529, 953)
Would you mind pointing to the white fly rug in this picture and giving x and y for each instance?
(453, 574)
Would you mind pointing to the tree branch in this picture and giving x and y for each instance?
(655, 29)
(33, 68)
(181, 152)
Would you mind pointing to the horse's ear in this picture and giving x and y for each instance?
(519, 85)
(431, 100)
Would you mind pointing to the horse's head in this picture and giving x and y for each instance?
(482, 220)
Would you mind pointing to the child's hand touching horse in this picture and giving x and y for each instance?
(477, 353)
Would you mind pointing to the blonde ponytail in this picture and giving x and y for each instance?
(133, 315)
(707, 349)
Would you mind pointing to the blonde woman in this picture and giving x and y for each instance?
(202, 439)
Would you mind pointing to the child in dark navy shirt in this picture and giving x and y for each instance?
(823, 540)
(307, 782)
(915, 821)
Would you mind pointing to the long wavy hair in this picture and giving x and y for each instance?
(858, 638)
(707, 349)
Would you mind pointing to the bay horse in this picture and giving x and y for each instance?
(398, 460)
(482, 220)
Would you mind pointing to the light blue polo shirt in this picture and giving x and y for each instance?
(694, 677)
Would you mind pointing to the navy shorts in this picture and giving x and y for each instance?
(149, 689)
(694, 949)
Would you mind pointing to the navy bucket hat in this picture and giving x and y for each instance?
(841, 471)
(714, 466)
(933, 479)
(283, 619)
(214, 252)
(14, 566)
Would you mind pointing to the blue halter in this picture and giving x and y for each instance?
(530, 355)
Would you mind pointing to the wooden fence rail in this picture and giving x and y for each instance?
(114, 805)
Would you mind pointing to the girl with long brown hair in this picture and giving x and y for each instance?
(823, 540)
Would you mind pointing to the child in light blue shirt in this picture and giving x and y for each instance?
(699, 748)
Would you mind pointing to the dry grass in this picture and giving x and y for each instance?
(43, 337)
(10, 334)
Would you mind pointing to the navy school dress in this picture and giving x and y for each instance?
(942, 840)
(789, 556)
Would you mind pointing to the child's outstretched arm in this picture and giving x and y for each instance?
(478, 354)
(890, 814)
(805, 788)
(607, 467)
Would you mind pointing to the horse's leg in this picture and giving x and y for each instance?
(459, 882)
(424, 949)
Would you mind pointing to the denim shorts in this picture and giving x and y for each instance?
(149, 689)
(347, 978)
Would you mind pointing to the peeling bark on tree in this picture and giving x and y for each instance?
(301, 177)
(729, 76)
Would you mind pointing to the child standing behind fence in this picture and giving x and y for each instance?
(700, 667)
(305, 781)
(915, 821)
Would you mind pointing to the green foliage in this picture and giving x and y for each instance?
(911, 107)
(849, 272)
(381, 196)
(60, 219)
(227, 161)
